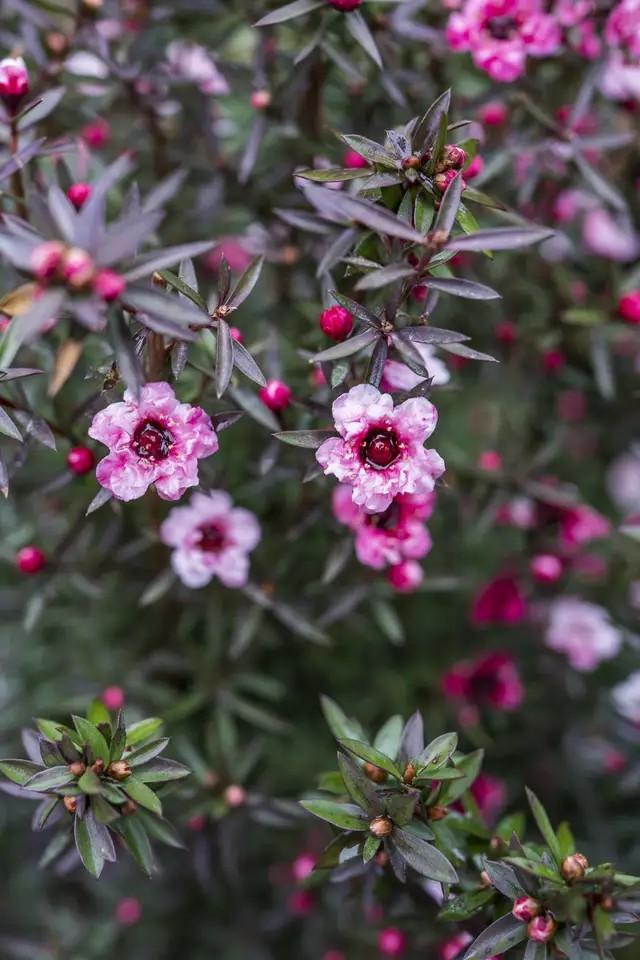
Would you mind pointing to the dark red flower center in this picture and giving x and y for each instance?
(380, 448)
(501, 28)
(151, 441)
(211, 538)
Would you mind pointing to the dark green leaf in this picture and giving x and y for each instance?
(500, 936)
(544, 825)
(160, 771)
(245, 284)
(19, 771)
(423, 857)
(90, 735)
(468, 289)
(343, 815)
(49, 779)
(465, 905)
(142, 794)
(359, 787)
(371, 755)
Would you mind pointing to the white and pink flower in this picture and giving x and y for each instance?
(583, 632)
(380, 451)
(386, 539)
(397, 376)
(211, 538)
(501, 34)
(152, 440)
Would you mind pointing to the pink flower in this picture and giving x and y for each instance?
(475, 168)
(113, 698)
(582, 524)
(231, 248)
(622, 28)
(629, 307)
(490, 794)
(583, 632)
(392, 942)
(493, 114)
(191, 62)
(608, 238)
(380, 450)
(452, 949)
(499, 601)
(96, 133)
(620, 80)
(397, 376)
(109, 285)
(301, 902)
(501, 34)
(303, 866)
(14, 81)
(546, 567)
(490, 681)
(405, 577)
(153, 440)
(623, 481)
(388, 538)
(519, 512)
(211, 538)
(128, 911)
(276, 395)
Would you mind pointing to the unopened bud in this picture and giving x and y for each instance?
(411, 163)
(14, 81)
(382, 858)
(98, 766)
(235, 795)
(497, 845)
(119, 770)
(70, 804)
(526, 908)
(77, 267)
(452, 156)
(409, 773)
(542, 929)
(158, 280)
(574, 867)
(436, 812)
(260, 99)
(376, 774)
(128, 808)
(46, 259)
(380, 827)
(77, 768)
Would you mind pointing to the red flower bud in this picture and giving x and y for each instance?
(354, 160)
(276, 395)
(629, 306)
(260, 99)
(236, 334)
(30, 560)
(574, 867)
(542, 929)
(235, 796)
(46, 259)
(336, 322)
(109, 285)
(78, 194)
(546, 568)
(405, 577)
(14, 81)
(492, 114)
(526, 908)
(344, 5)
(77, 267)
(80, 460)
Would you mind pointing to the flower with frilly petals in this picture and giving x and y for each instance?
(499, 601)
(583, 632)
(154, 439)
(211, 538)
(380, 451)
(490, 681)
(626, 697)
(501, 34)
(386, 539)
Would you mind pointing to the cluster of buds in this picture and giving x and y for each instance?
(54, 261)
(449, 165)
(541, 925)
(14, 82)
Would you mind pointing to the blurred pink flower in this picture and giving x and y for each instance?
(211, 538)
(152, 440)
(128, 911)
(583, 632)
(405, 577)
(609, 238)
(492, 680)
(113, 698)
(380, 451)
(453, 948)
(623, 481)
(397, 376)
(499, 601)
(233, 251)
(386, 539)
(392, 942)
(626, 697)
(490, 794)
(192, 62)
(582, 524)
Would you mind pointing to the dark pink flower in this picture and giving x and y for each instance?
(336, 322)
(629, 307)
(96, 133)
(490, 681)
(78, 194)
(581, 525)
(14, 81)
(354, 160)
(380, 451)
(276, 395)
(386, 539)
(499, 601)
(453, 948)
(128, 911)
(113, 698)
(233, 251)
(490, 794)
(109, 285)
(344, 5)
(546, 567)
(405, 577)
(152, 440)
(211, 538)
(475, 168)
(301, 902)
(493, 114)
(30, 560)
(392, 942)
(303, 866)
(80, 460)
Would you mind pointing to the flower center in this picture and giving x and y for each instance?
(501, 28)
(385, 521)
(211, 538)
(380, 448)
(151, 441)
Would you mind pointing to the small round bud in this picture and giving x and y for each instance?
(77, 768)
(30, 560)
(261, 99)
(554, 361)
(542, 929)
(46, 259)
(96, 133)
(546, 568)
(453, 157)
(490, 461)
(109, 285)
(119, 770)
(392, 942)
(506, 332)
(412, 162)
(129, 910)
(526, 908)
(77, 267)
(492, 114)
(442, 180)
(380, 826)
(405, 577)
(437, 812)
(376, 774)
(336, 322)
(409, 773)
(276, 395)
(98, 766)
(235, 795)
(344, 5)
(236, 334)
(70, 804)
(14, 81)
(78, 194)
(574, 867)
(80, 460)
(354, 160)
(629, 307)
(113, 698)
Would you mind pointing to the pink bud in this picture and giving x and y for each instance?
(542, 929)
(490, 460)
(109, 285)
(475, 168)
(78, 194)
(318, 378)
(492, 114)
(77, 267)
(629, 307)
(554, 361)
(453, 948)
(14, 81)
(354, 160)
(46, 259)
(303, 865)
(30, 560)
(261, 99)
(506, 332)
(301, 902)
(276, 395)
(113, 698)
(405, 577)
(235, 795)
(197, 822)
(392, 942)
(236, 334)
(546, 568)
(96, 133)
(80, 460)
(128, 911)
(442, 180)
(526, 908)
(344, 5)
(336, 322)
(333, 955)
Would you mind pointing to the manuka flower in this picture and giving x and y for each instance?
(583, 632)
(490, 681)
(501, 34)
(211, 538)
(386, 539)
(380, 451)
(152, 440)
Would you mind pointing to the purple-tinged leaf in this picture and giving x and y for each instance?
(461, 350)
(252, 146)
(431, 335)
(386, 275)
(26, 326)
(224, 358)
(245, 284)
(340, 207)
(49, 779)
(17, 373)
(63, 213)
(47, 102)
(163, 305)
(156, 262)
(122, 239)
(359, 30)
(448, 209)
(336, 250)
(377, 362)
(423, 857)
(357, 309)
(333, 174)
(427, 128)
(500, 238)
(247, 365)
(8, 427)
(311, 439)
(164, 191)
(20, 159)
(347, 348)
(497, 938)
(468, 289)
(126, 356)
(289, 11)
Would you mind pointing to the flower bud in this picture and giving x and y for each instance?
(119, 770)
(344, 5)
(113, 698)
(405, 577)
(336, 322)
(109, 285)
(276, 395)
(542, 929)
(98, 766)
(392, 942)
(96, 133)
(574, 867)
(78, 194)
(409, 773)
(236, 334)
(354, 160)
(492, 114)
(442, 180)
(526, 908)
(46, 259)
(412, 162)
(376, 774)
(436, 812)
(475, 168)
(380, 826)
(77, 768)
(629, 307)
(261, 99)
(235, 795)
(77, 267)
(546, 568)
(14, 81)
(452, 157)
(80, 460)
(70, 804)
(30, 560)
